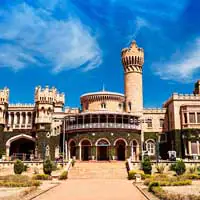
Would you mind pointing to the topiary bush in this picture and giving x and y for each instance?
(48, 167)
(180, 167)
(18, 167)
(63, 176)
(172, 167)
(146, 165)
(73, 162)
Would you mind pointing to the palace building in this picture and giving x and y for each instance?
(108, 126)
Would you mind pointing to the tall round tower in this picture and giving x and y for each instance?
(133, 60)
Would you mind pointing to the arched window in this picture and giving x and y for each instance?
(150, 147)
(103, 105)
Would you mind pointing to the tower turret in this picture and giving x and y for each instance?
(47, 101)
(133, 60)
(4, 97)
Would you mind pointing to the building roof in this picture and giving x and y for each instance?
(103, 92)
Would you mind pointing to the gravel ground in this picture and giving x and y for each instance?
(185, 190)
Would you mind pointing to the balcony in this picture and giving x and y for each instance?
(103, 125)
(101, 121)
(43, 120)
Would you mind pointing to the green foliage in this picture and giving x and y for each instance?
(168, 181)
(146, 165)
(191, 176)
(160, 168)
(153, 184)
(132, 173)
(42, 177)
(192, 170)
(48, 167)
(25, 168)
(17, 181)
(180, 167)
(2, 152)
(172, 167)
(18, 167)
(63, 176)
(73, 162)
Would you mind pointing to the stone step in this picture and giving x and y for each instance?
(98, 170)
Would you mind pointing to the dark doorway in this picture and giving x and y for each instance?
(22, 149)
(72, 149)
(103, 152)
(102, 148)
(121, 146)
(85, 150)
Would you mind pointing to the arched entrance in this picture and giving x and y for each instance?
(21, 147)
(85, 150)
(121, 149)
(102, 149)
(72, 149)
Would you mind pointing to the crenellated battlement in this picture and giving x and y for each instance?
(183, 97)
(4, 96)
(20, 105)
(132, 58)
(154, 110)
(48, 95)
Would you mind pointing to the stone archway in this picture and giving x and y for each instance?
(120, 147)
(102, 149)
(85, 149)
(21, 147)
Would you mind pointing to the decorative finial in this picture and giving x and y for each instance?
(103, 87)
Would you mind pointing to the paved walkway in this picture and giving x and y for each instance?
(91, 189)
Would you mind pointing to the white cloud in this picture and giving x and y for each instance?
(183, 69)
(29, 34)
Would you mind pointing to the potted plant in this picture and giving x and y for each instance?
(93, 152)
(113, 153)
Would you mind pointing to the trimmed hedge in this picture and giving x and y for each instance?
(42, 177)
(132, 173)
(17, 181)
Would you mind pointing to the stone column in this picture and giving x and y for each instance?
(9, 118)
(26, 119)
(80, 152)
(198, 147)
(189, 148)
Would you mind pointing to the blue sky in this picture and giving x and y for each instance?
(75, 45)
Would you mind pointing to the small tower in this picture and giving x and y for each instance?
(133, 60)
(4, 98)
(47, 101)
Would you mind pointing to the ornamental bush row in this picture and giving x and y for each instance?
(42, 177)
(161, 194)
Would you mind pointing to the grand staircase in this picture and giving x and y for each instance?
(98, 170)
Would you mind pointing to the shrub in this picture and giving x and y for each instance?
(132, 173)
(25, 168)
(42, 177)
(172, 167)
(63, 176)
(191, 176)
(48, 167)
(17, 181)
(180, 167)
(18, 167)
(192, 170)
(73, 162)
(160, 168)
(146, 165)
(153, 184)
(127, 167)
